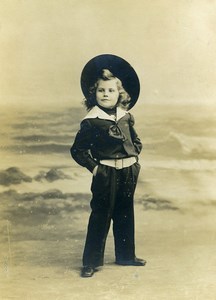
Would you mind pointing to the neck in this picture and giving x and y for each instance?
(109, 111)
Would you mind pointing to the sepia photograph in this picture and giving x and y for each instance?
(107, 150)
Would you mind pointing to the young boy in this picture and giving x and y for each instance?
(108, 146)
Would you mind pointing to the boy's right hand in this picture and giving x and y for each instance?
(95, 171)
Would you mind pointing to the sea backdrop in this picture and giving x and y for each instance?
(178, 158)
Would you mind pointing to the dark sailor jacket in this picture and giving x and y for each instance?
(101, 136)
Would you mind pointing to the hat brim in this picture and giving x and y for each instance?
(119, 67)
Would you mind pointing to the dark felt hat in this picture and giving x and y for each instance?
(119, 67)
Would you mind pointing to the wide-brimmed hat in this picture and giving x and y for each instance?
(119, 67)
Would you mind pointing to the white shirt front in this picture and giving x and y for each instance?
(97, 112)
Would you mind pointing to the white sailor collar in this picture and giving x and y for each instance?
(97, 112)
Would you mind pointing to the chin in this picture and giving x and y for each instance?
(106, 105)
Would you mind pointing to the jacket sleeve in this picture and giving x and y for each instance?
(80, 150)
(134, 136)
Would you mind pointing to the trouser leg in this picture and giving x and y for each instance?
(103, 197)
(98, 228)
(123, 214)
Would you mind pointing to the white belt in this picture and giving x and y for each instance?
(119, 163)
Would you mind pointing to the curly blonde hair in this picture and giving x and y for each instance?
(124, 97)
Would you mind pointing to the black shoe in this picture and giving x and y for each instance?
(132, 262)
(87, 271)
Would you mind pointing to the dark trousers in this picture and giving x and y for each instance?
(112, 199)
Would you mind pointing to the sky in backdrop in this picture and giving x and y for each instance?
(45, 44)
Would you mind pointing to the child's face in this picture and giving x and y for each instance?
(107, 93)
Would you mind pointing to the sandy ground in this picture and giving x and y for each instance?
(179, 247)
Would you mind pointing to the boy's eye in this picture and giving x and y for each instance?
(101, 90)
